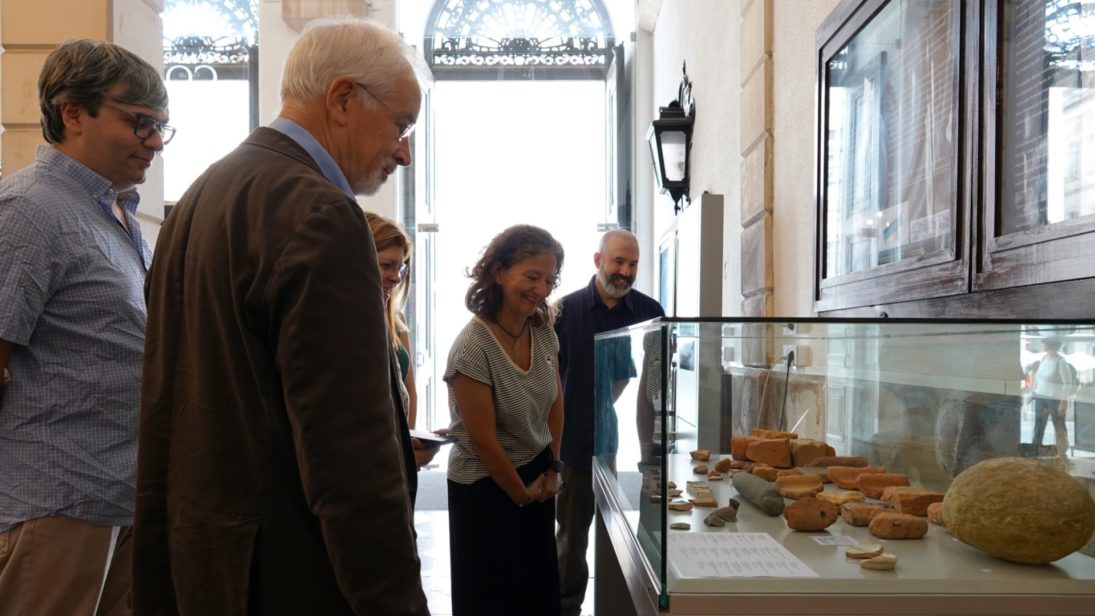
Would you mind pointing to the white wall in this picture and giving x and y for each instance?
(705, 35)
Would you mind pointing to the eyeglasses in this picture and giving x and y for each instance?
(392, 268)
(405, 128)
(144, 126)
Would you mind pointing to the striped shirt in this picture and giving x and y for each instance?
(72, 304)
(522, 399)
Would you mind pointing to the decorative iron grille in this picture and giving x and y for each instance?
(519, 38)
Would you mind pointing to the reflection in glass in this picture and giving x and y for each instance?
(1047, 129)
(892, 138)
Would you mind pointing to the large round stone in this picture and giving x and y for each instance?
(1019, 510)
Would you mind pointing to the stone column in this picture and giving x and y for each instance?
(28, 33)
(756, 164)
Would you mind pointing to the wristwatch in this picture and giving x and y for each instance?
(557, 466)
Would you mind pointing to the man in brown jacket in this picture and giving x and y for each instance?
(275, 469)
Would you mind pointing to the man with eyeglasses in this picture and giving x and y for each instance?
(72, 317)
(275, 467)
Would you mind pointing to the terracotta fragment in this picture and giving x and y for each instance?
(773, 452)
(759, 492)
(680, 505)
(714, 520)
(674, 493)
(702, 455)
(671, 485)
(935, 514)
(714, 476)
(871, 485)
(700, 469)
(728, 514)
(764, 471)
(739, 445)
(701, 494)
(898, 526)
(788, 472)
(799, 486)
(777, 434)
(680, 526)
(840, 497)
(846, 476)
(913, 501)
(810, 514)
(841, 461)
(864, 550)
(883, 562)
(805, 450)
(723, 465)
(860, 514)
(738, 464)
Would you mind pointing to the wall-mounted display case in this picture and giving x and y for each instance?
(919, 401)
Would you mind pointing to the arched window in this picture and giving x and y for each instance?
(518, 39)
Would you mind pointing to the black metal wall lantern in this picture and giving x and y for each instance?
(670, 140)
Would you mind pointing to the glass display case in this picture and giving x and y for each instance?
(916, 402)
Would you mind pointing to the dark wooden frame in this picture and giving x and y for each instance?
(1047, 273)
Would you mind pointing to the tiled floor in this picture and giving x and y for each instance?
(433, 550)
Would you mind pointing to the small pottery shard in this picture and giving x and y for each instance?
(735, 503)
(864, 550)
(671, 485)
(680, 505)
(810, 514)
(935, 514)
(846, 476)
(860, 514)
(840, 497)
(764, 471)
(883, 562)
(729, 514)
(714, 520)
(913, 501)
(871, 485)
(799, 486)
(680, 526)
(674, 493)
(702, 455)
(788, 472)
(714, 476)
(723, 465)
(898, 526)
(700, 469)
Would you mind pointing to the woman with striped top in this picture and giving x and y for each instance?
(507, 417)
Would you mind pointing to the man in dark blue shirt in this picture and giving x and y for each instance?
(607, 303)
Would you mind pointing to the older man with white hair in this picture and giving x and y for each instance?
(276, 473)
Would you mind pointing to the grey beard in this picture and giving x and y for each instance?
(612, 290)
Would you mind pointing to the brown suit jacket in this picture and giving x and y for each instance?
(274, 469)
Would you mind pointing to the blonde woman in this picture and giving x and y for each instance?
(393, 252)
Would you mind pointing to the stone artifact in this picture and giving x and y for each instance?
(898, 526)
(864, 550)
(723, 465)
(777, 434)
(805, 450)
(799, 486)
(764, 471)
(680, 526)
(714, 476)
(1019, 510)
(913, 501)
(680, 505)
(846, 476)
(714, 519)
(883, 562)
(739, 445)
(759, 492)
(860, 514)
(771, 451)
(702, 455)
(728, 514)
(700, 469)
(810, 514)
(840, 497)
(935, 514)
(872, 484)
(841, 461)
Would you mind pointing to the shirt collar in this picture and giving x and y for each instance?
(323, 158)
(100, 188)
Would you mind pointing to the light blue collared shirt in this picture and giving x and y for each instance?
(326, 162)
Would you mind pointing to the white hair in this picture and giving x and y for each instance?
(360, 49)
